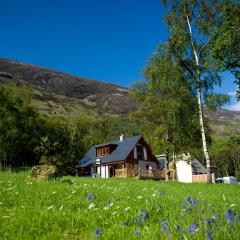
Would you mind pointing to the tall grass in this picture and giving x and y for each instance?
(86, 208)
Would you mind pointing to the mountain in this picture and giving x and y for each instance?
(224, 122)
(58, 88)
(59, 93)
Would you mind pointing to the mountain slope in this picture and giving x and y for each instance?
(57, 93)
(107, 97)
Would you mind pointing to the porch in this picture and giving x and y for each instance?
(140, 173)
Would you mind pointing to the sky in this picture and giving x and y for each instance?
(106, 40)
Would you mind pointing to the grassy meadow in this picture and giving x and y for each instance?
(86, 208)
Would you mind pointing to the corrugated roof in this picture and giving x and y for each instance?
(198, 167)
(120, 153)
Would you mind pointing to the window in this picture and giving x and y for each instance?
(103, 151)
(140, 154)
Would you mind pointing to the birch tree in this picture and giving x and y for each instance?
(191, 24)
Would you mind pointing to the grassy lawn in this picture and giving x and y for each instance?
(86, 208)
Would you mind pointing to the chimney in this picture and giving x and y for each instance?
(121, 138)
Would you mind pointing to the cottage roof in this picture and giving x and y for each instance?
(119, 153)
(198, 167)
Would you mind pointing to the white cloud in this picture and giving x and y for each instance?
(235, 107)
(232, 94)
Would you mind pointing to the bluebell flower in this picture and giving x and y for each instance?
(144, 214)
(209, 236)
(136, 220)
(143, 222)
(191, 201)
(193, 227)
(137, 232)
(238, 219)
(97, 232)
(229, 215)
(90, 197)
(163, 228)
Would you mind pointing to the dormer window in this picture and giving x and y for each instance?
(103, 151)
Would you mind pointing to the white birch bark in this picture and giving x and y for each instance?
(200, 110)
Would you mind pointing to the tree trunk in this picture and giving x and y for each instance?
(204, 141)
(200, 110)
(166, 164)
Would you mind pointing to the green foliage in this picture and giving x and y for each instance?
(168, 115)
(226, 41)
(19, 129)
(215, 100)
(29, 138)
(226, 156)
(60, 210)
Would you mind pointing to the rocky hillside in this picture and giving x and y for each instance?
(59, 93)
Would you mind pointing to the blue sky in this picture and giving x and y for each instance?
(106, 40)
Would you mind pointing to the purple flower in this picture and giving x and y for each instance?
(209, 236)
(238, 219)
(90, 197)
(136, 220)
(163, 228)
(193, 227)
(229, 215)
(143, 222)
(97, 232)
(144, 214)
(137, 232)
(191, 201)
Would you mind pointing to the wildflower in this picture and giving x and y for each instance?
(137, 232)
(163, 228)
(144, 214)
(230, 215)
(92, 205)
(143, 222)
(136, 220)
(191, 201)
(90, 197)
(209, 236)
(193, 227)
(238, 219)
(97, 232)
(215, 216)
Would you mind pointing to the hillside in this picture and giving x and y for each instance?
(56, 88)
(57, 93)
